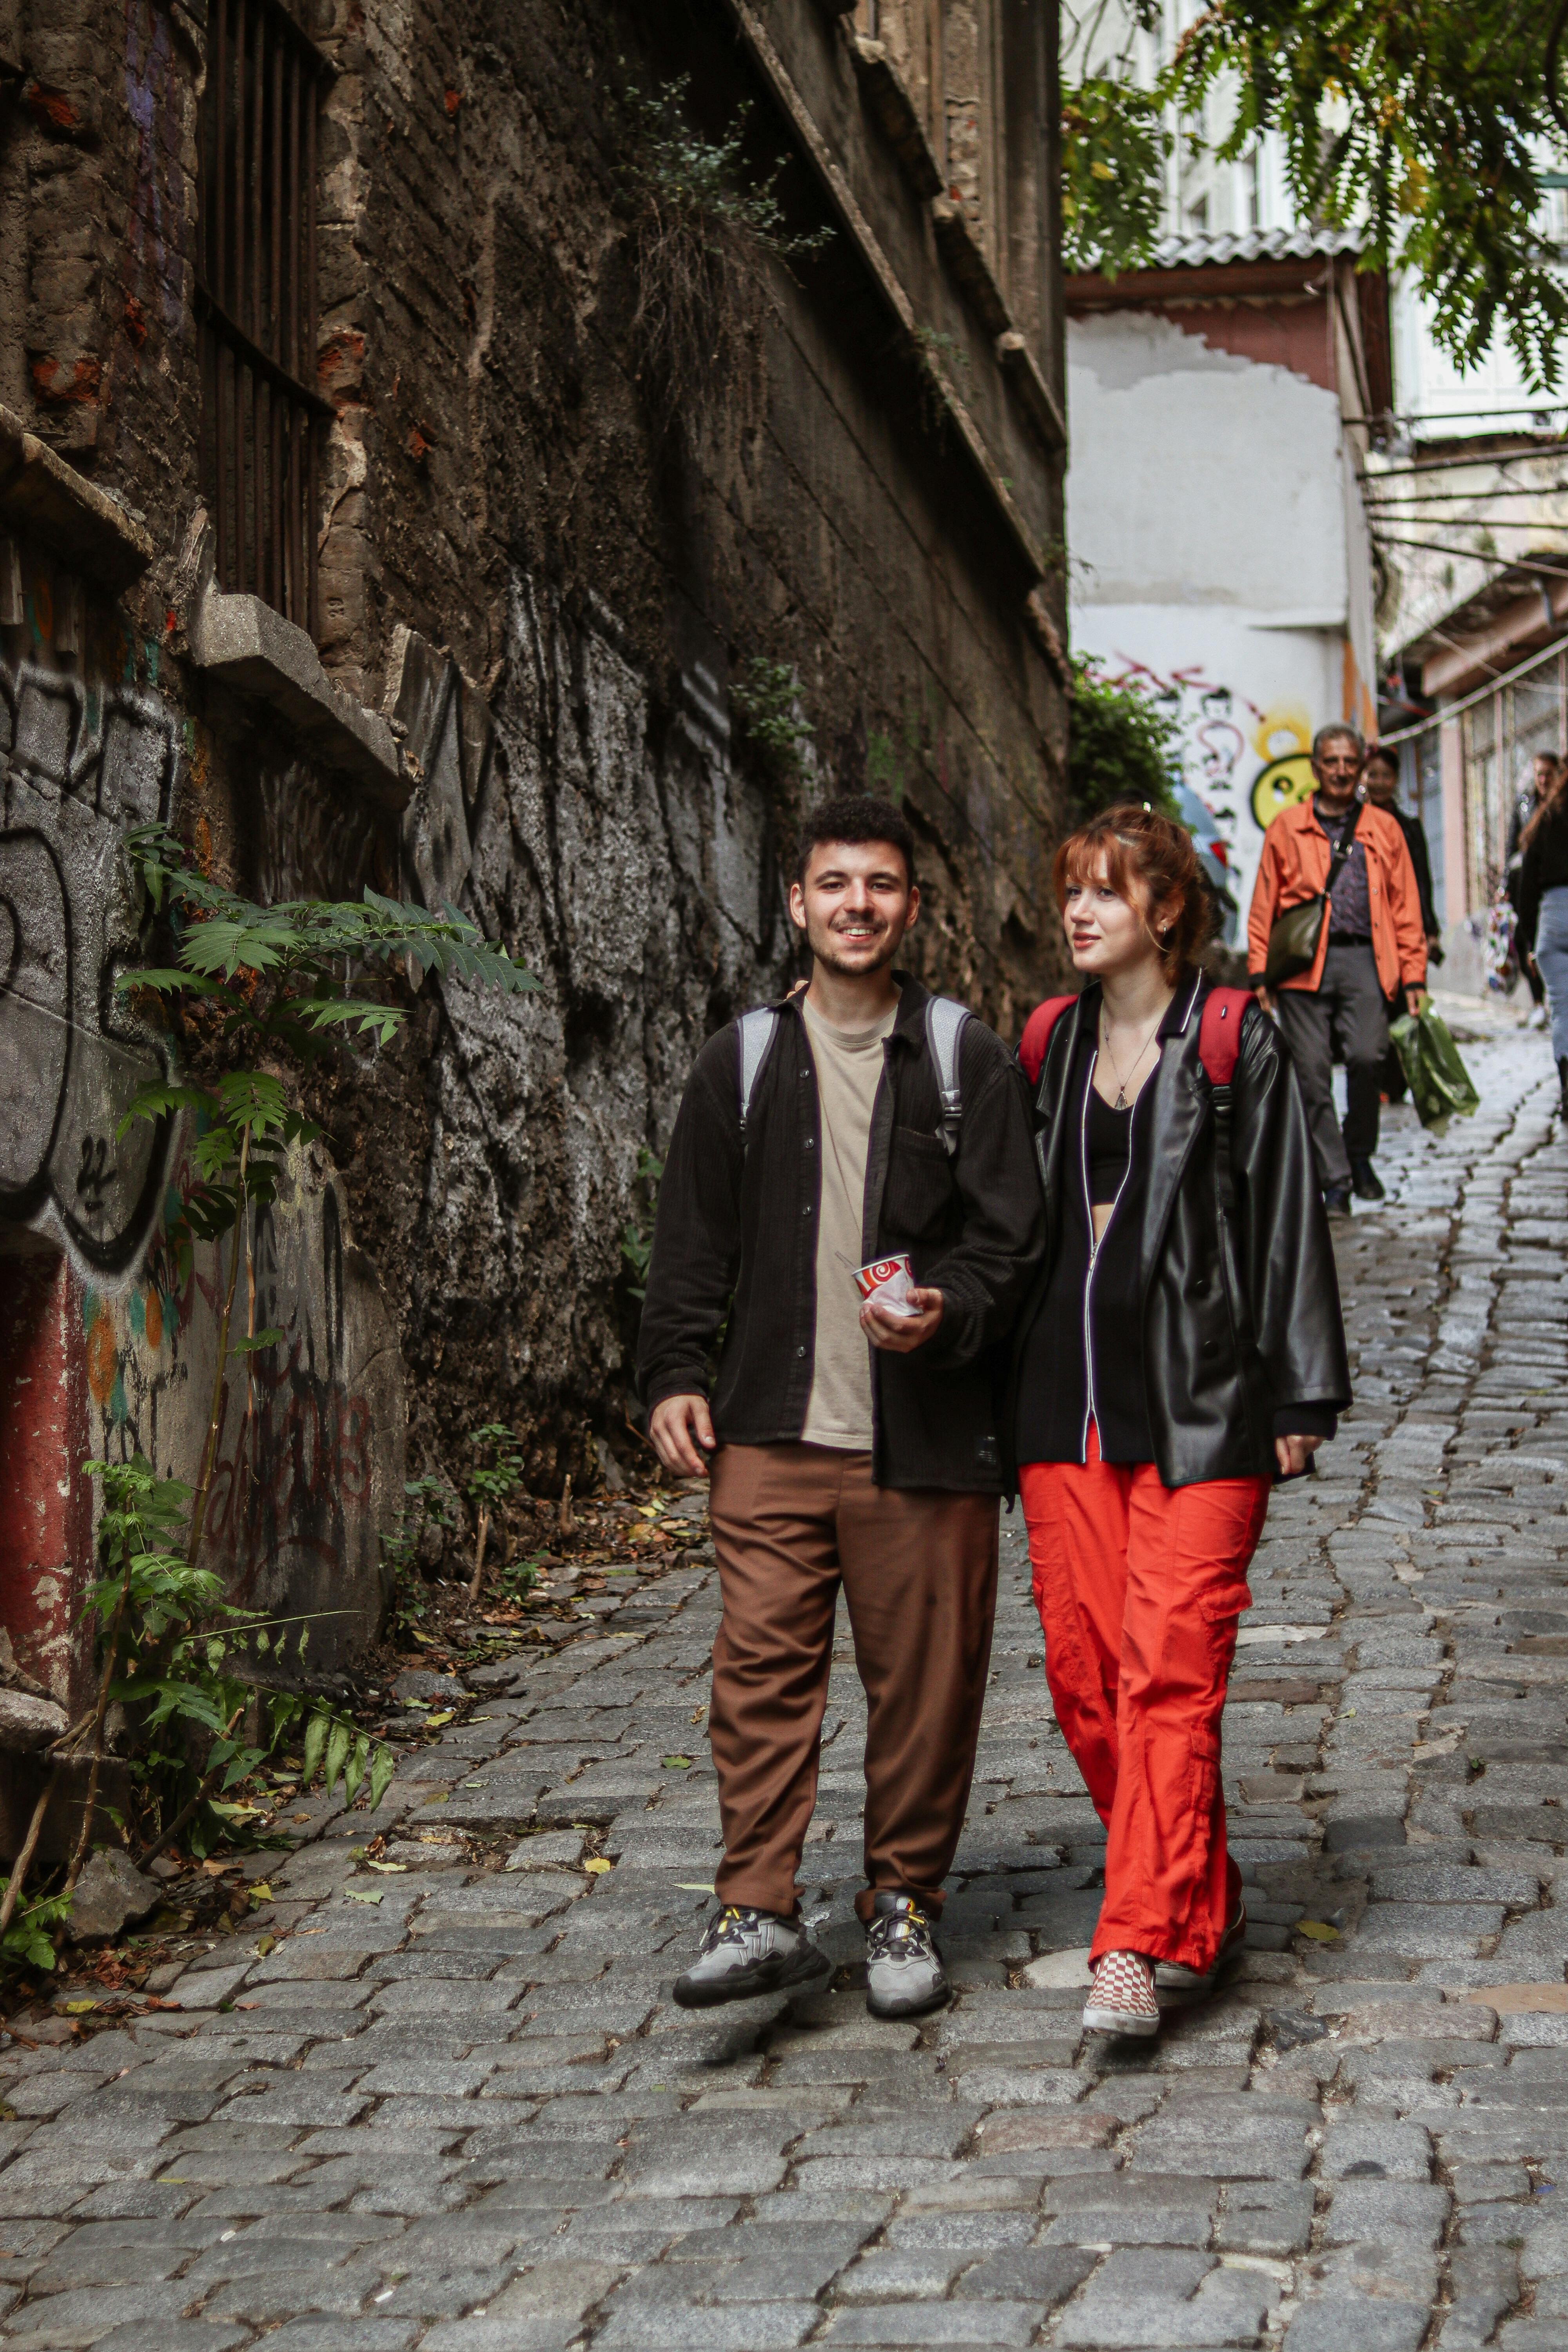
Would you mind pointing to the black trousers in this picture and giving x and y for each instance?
(1344, 1019)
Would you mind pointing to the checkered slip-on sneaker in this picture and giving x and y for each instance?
(1121, 1998)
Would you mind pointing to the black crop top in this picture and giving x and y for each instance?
(1110, 1141)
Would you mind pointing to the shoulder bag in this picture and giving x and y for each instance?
(1293, 941)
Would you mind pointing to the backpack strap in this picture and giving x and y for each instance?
(1036, 1036)
(758, 1030)
(1219, 1032)
(946, 1020)
(1219, 1047)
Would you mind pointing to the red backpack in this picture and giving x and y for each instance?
(1219, 1033)
(1219, 1043)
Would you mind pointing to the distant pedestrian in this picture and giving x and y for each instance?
(1544, 771)
(852, 1444)
(1372, 947)
(1543, 904)
(1182, 1346)
(1380, 783)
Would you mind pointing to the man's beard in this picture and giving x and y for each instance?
(824, 946)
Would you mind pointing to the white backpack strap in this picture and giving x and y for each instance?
(758, 1029)
(945, 1024)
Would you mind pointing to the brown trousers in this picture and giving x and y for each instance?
(791, 1523)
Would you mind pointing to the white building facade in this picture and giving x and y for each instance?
(1221, 559)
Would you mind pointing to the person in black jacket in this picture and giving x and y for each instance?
(1541, 904)
(851, 1442)
(1182, 1346)
(1380, 783)
(1543, 769)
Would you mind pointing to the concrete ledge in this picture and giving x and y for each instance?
(1021, 368)
(49, 499)
(254, 649)
(841, 199)
(1048, 636)
(959, 248)
(883, 88)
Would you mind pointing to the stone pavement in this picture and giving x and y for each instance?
(453, 2107)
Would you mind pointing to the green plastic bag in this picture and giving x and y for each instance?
(1439, 1083)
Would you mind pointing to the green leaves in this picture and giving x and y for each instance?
(1115, 142)
(636, 1244)
(1425, 125)
(491, 1483)
(383, 1765)
(280, 978)
(1121, 745)
(258, 1340)
(26, 1941)
(677, 169)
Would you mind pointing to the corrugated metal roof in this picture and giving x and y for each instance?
(1253, 244)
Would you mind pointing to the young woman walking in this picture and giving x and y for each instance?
(1540, 900)
(1183, 1347)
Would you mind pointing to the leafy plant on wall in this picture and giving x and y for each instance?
(269, 987)
(1121, 745)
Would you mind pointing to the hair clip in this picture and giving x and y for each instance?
(1147, 810)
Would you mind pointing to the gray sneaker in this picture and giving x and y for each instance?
(747, 1952)
(905, 1971)
(1171, 1977)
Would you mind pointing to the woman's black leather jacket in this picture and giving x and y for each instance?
(1240, 1305)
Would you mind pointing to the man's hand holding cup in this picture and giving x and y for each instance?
(896, 1313)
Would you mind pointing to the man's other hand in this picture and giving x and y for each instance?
(682, 1431)
(901, 1334)
(1294, 1455)
(1416, 999)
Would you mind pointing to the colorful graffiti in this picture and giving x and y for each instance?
(1213, 743)
(1283, 742)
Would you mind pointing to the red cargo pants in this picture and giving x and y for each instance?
(1139, 1587)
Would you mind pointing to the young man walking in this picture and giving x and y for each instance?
(1372, 946)
(848, 1445)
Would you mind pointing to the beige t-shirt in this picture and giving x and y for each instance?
(848, 1071)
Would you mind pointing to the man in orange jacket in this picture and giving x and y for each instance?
(1372, 947)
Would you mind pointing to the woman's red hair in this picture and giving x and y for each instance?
(1149, 860)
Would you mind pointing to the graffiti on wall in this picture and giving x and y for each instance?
(79, 766)
(310, 1438)
(1242, 762)
(122, 1318)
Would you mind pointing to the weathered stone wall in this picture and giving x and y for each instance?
(108, 1336)
(550, 585)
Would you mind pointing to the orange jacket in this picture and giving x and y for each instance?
(1294, 867)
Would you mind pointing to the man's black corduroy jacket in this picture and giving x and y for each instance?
(737, 1229)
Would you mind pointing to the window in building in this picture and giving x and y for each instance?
(256, 304)
(1252, 188)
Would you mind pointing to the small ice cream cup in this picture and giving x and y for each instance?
(887, 1283)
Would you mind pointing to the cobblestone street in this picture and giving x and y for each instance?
(453, 2107)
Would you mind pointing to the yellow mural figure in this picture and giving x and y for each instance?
(1283, 742)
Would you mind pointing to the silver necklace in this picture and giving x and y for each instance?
(1122, 1082)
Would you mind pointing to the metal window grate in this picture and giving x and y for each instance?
(256, 304)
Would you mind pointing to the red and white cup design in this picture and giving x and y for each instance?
(887, 1283)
